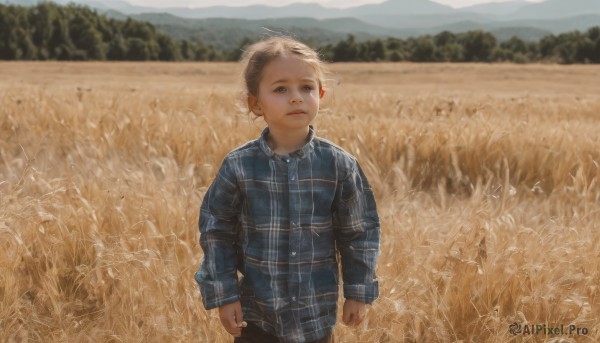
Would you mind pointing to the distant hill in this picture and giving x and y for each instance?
(117, 5)
(501, 33)
(524, 29)
(225, 27)
(496, 8)
(421, 22)
(21, 2)
(525, 33)
(399, 7)
(297, 10)
(516, 9)
(228, 33)
(253, 12)
(554, 9)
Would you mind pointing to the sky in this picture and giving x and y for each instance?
(328, 3)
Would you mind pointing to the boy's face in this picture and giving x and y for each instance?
(288, 94)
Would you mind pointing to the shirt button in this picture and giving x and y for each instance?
(293, 178)
(293, 253)
(293, 298)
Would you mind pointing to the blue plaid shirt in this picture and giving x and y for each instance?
(278, 221)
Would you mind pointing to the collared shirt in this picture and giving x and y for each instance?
(278, 220)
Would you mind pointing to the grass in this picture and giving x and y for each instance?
(486, 179)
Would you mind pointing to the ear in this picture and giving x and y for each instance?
(322, 93)
(253, 105)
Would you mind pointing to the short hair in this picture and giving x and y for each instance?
(259, 54)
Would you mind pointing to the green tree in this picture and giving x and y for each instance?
(42, 17)
(396, 49)
(478, 46)
(137, 29)
(137, 49)
(8, 38)
(203, 53)
(444, 38)
(236, 54)
(169, 50)
(593, 35)
(423, 50)
(376, 50)
(86, 38)
(500, 54)
(584, 51)
(451, 52)
(186, 50)
(117, 48)
(346, 50)
(515, 44)
(547, 47)
(60, 45)
(567, 46)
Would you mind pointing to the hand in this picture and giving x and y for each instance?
(231, 318)
(354, 312)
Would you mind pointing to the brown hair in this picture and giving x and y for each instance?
(259, 54)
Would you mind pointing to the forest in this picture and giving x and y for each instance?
(49, 31)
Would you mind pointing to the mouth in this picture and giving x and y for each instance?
(297, 112)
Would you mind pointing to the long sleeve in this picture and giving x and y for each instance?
(357, 232)
(219, 227)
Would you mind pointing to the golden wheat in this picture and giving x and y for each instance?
(486, 179)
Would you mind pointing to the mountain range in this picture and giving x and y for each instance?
(391, 18)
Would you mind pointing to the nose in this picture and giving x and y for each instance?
(296, 98)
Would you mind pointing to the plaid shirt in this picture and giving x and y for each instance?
(278, 221)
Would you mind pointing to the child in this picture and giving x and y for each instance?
(280, 207)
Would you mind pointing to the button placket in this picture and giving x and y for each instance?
(292, 169)
(295, 233)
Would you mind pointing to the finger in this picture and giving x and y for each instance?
(239, 321)
(348, 318)
(360, 315)
(230, 327)
(230, 324)
(358, 318)
(354, 320)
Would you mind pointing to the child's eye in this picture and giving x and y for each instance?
(279, 89)
(307, 88)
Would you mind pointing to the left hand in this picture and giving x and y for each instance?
(354, 312)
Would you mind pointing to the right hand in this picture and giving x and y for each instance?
(231, 318)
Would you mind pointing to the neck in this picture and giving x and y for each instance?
(285, 142)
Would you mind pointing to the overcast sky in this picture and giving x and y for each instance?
(329, 3)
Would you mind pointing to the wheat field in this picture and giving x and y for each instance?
(487, 181)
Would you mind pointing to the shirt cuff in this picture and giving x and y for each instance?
(366, 293)
(218, 293)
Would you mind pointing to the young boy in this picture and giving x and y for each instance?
(279, 209)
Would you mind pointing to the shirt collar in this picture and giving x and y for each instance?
(306, 148)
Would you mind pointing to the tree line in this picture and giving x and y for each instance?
(472, 46)
(49, 31)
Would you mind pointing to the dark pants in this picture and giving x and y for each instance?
(254, 334)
